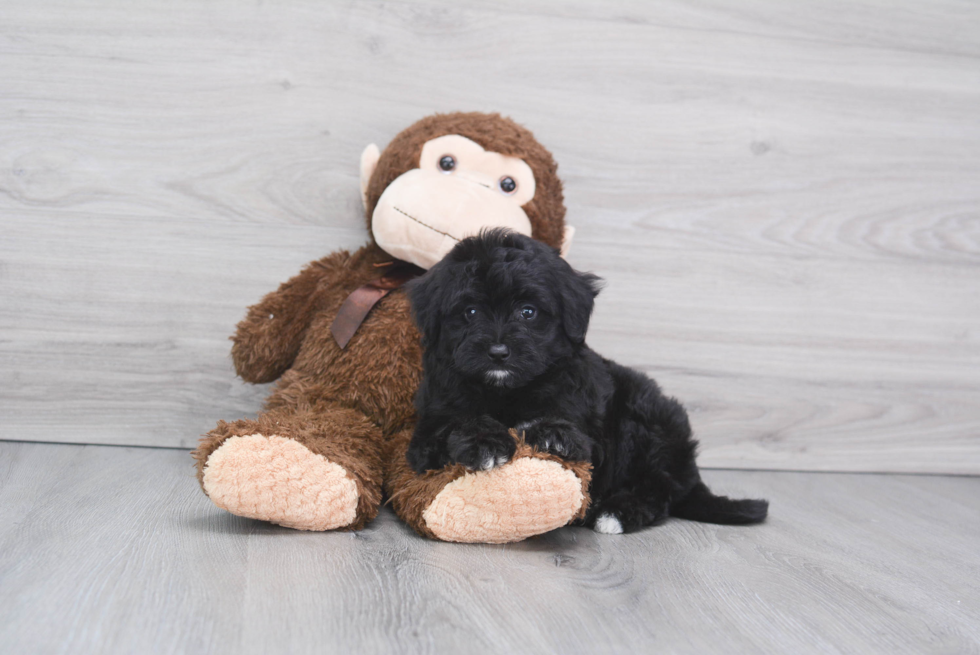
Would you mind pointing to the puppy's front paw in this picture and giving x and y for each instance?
(557, 437)
(481, 444)
(425, 458)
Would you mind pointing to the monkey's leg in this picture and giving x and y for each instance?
(532, 494)
(309, 471)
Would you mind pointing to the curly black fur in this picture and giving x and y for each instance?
(503, 319)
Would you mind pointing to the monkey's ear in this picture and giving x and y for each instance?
(566, 241)
(369, 161)
(577, 292)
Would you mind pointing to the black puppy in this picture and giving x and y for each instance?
(503, 319)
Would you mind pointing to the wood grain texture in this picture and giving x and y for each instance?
(116, 550)
(782, 198)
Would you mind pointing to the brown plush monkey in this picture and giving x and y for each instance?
(336, 428)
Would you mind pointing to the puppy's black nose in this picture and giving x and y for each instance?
(499, 352)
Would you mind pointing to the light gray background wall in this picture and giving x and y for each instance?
(784, 200)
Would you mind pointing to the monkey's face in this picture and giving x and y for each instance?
(458, 189)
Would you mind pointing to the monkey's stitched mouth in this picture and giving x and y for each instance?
(424, 224)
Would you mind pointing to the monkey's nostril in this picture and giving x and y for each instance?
(499, 352)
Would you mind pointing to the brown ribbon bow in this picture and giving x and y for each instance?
(357, 305)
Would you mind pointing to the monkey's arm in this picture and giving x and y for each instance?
(269, 337)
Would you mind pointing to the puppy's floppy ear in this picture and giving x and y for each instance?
(425, 294)
(576, 293)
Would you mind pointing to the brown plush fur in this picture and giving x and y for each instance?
(354, 405)
(341, 404)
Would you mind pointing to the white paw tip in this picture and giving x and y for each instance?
(488, 463)
(501, 460)
(608, 524)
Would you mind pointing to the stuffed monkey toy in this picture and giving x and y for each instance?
(340, 339)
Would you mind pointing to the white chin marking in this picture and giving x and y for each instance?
(497, 377)
(608, 524)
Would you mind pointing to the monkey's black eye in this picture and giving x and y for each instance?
(447, 163)
(508, 185)
(469, 312)
(528, 312)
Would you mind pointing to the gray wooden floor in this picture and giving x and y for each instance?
(114, 549)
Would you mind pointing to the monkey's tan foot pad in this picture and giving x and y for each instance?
(527, 497)
(279, 480)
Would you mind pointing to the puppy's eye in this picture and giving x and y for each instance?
(507, 184)
(469, 312)
(447, 163)
(528, 312)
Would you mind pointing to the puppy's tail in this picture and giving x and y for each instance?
(702, 505)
